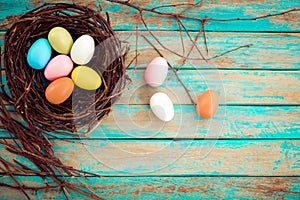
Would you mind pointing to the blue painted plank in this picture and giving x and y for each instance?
(169, 187)
(242, 87)
(236, 87)
(230, 122)
(123, 18)
(262, 55)
(179, 157)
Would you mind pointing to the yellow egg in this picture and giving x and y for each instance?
(60, 40)
(86, 78)
(59, 90)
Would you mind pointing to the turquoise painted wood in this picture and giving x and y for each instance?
(179, 157)
(235, 87)
(242, 87)
(255, 155)
(240, 122)
(124, 18)
(177, 188)
(264, 54)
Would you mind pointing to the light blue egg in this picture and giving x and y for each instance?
(39, 54)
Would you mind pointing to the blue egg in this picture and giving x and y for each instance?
(39, 54)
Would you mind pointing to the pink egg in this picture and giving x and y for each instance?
(58, 67)
(156, 72)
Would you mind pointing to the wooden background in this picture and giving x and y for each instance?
(250, 149)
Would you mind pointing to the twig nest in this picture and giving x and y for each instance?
(62, 24)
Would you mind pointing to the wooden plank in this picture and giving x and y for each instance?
(180, 157)
(236, 87)
(123, 18)
(264, 54)
(243, 122)
(241, 87)
(239, 122)
(171, 187)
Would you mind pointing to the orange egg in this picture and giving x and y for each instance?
(59, 90)
(208, 104)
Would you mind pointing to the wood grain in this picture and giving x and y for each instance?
(274, 51)
(175, 187)
(230, 122)
(257, 154)
(123, 18)
(269, 50)
(236, 87)
(180, 157)
(241, 87)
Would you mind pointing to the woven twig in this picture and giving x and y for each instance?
(27, 86)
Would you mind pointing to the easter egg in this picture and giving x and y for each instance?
(83, 50)
(39, 54)
(59, 90)
(156, 72)
(58, 67)
(162, 106)
(86, 78)
(208, 104)
(60, 40)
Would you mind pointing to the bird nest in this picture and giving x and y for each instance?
(26, 86)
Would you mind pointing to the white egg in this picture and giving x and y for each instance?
(83, 50)
(162, 106)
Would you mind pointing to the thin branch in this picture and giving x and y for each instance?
(174, 5)
(174, 71)
(161, 44)
(169, 14)
(136, 40)
(181, 38)
(191, 39)
(191, 49)
(204, 37)
(133, 59)
(229, 51)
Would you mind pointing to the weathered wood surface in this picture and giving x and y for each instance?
(274, 51)
(177, 188)
(241, 87)
(240, 122)
(258, 151)
(269, 50)
(180, 157)
(123, 18)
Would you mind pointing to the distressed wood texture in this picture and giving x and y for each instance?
(123, 18)
(249, 150)
(177, 188)
(269, 50)
(239, 122)
(241, 87)
(179, 157)
(274, 51)
(234, 87)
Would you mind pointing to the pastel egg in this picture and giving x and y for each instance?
(86, 78)
(60, 40)
(156, 72)
(39, 54)
(58, 67)
(59, 90)
(162, 106)
(208, 104)
(83, 50)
